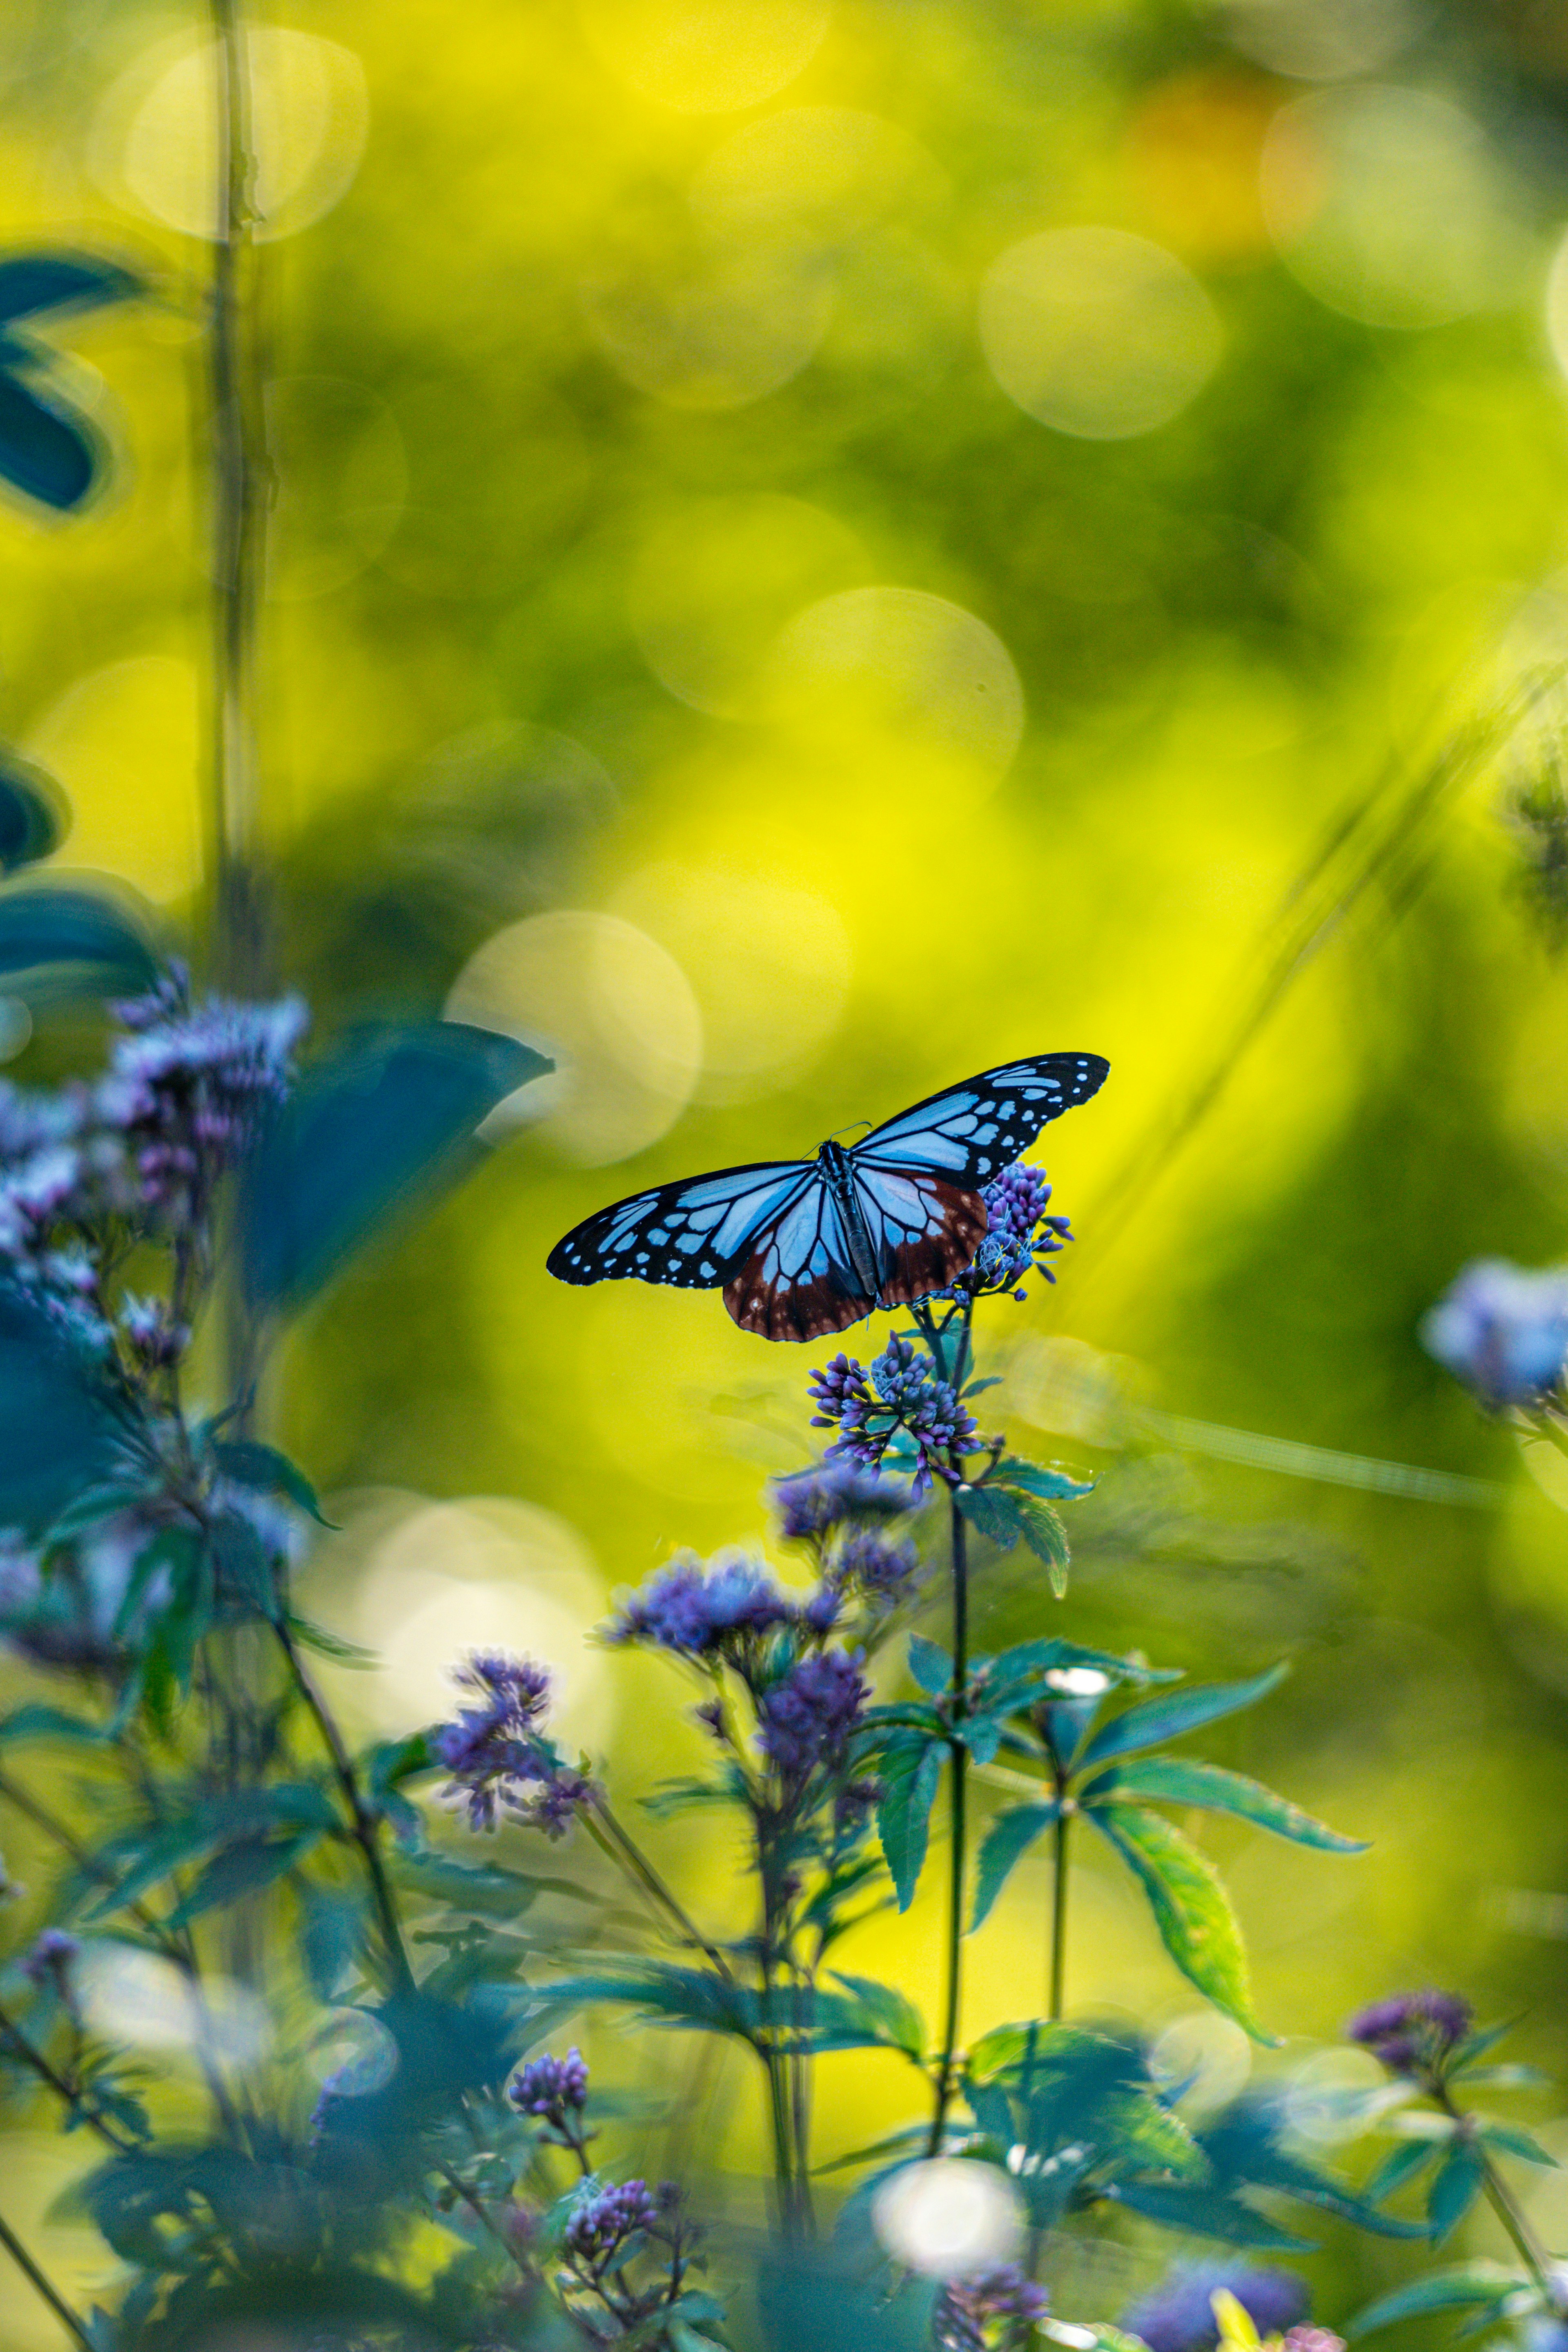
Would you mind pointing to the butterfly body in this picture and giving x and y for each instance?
(801, 1247)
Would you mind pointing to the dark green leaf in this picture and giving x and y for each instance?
(896, 2019)
(1458, 2184)
(267, 1472)
(34, 817)
(995, 1515)
(38, 1721)
(910, 1769)
(1468, 2285)
(1514, 2142)
(930, 1665)
(392, 1113)
(49, 451)
(1182, 1783)
(1400, 2166)
(55, 1436)
(1191, 1907)
(31, 283)
(1179, 2205)
(60, 941)
(1009, 1836)
(1042, 1529)
(328, 1644)
(241, 1870)
(1154, 1720)
(1050, 1486)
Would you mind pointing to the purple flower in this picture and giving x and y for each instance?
(48, 1964)
(899, 1395)
(155, 1339)
(496, 1753)
(1312, 2339)
(190, 1086)
(550, 2087)
(1412, 2032)
(1019, 1234)
(694, 1611)
(1502, 1330)
(1179, 2315)
(830, 1495)
(878, 1565)
(807, 1718)
(605, 2219)
(991, 2312)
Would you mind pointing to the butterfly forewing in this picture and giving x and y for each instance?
(692, 1234)
(969, 1132)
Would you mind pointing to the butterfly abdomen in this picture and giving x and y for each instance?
(838, 1175)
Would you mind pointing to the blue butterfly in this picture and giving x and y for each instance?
(806, 1246)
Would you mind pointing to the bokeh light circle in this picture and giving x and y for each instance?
(1201, 2060)
(340, 482)
(1321, 40)
(138, 1997)
(707, 56)
(714, 330)
(1097, 332)
(768, 956)
(1387, 206)
(825, 173)
(714, 581)
(155, 146)
(900, 664)
(948, 2218)
(614, 1009)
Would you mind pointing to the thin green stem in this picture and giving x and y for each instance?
(70, 2095)
(1059, 1914)
(1514, 2222)
(42, 2286)
(363, 1825)
(957, 1776)
(619, 1844)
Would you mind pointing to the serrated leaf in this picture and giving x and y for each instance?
(1050, 1486)
(392, 1113)
(1152, 1721)
(267, 1472)
(930, 1664)
(1182, 1782)
(1468, 2286)
(1191, 1907)
(1006, 1841)
(1458, 2183)
(911, 1769)
(995, 1515)
(1042, 1529)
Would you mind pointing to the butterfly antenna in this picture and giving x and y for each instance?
(850, 1128)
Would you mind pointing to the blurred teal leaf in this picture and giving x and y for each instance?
(241, 1870)
(1181, 1782)
(482, 1886)
(694, 1996)
(898, 2020)
(910, 1769)
(1206, 2214)
(34, 817)
(1248, 2145)
(1514, 2142)
(41, 1722)
(392, 1113)
(1399, 2166)
(1008, 1838)
(48, 450)
(56, 1435)
(33, 282)
(267, 1472)
(61, 941)
(930, 1664)
(1468, 2286)
(1191, 1907)
(1458, 2182)
(1050, 1486)
(1155, 1720)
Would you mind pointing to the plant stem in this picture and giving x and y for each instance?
(1059, 1914)
(958, 1772)
(35, 2276)
(1514, 2222)
(363, 1825)
(69, 2094)
(619, 1843)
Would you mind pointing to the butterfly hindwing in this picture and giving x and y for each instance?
(800, 1280)
(693, 1234)
(925, 1229)
(969, 1132)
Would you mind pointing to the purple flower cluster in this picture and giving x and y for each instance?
(699, 1612)
(604, 2219)
(190, 1085)
(877, 1564)
(1019, 1236)
(899, 1394)
(806, 1719)
(496, 1755)
(1179, 2315)
(550, 2087)
(1412, 2032)
(816, 1503)
(48, 1964)
(1502, 1330)
(993, 2312)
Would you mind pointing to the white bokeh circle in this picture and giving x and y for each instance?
(707, 56)
(949, 2217)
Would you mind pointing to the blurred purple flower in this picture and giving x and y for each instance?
(1502, 1330)
(1179, 2315)
(496, 1753)
(899, 1394)
(603, 2221)
(1412, 2032)
(190, 1085)
(48, 1964)
(1019, 1234)
(831, 1494)
(806, 1720)
(694, 1611)
(877, 1564)
(549, 2087)
(992, 2312)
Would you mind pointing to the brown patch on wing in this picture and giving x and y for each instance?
(920, 1266)
(791, 1310)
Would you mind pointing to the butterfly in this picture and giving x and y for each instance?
(802, 1247)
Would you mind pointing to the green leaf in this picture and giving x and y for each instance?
(1399, 2166)
(58, 942)
(1178, 2205)
(677, 1996)
(1458, 2182)
(896, 2019)
(1050, 1486)
(1009, 1837)
(995, 1515)
(392, 1113)
(910, 1769)
(1182, 1783)
(1042, 1529)
(38, 1721)
(104, 1501)
(1470, 2285)
(1152, 1721)
(328, 1644)
(55, 1436)
(241, 1870)
(267, 1472)
(1514, 2142)
(1190, 1904)
(930, 1664)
